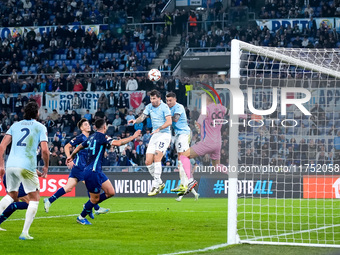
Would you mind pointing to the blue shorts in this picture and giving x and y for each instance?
(21, 192)
(94, 181)
(77, 173)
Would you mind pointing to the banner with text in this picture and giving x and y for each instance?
(18, 31)
(62, 101)
(188, 2)
(274, 24)
(37, 96)
(139, 184)
(48, 186)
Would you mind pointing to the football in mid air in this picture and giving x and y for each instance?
(154, 75)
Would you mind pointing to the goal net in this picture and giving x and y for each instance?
(284, 145)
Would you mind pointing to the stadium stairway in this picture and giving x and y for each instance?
(173, 41)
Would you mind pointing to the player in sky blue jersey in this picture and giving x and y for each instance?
(161, 121)
(21, 164)
(182, 140)
(95, 179)
(77, 166)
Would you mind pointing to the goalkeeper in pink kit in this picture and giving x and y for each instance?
(210, 139)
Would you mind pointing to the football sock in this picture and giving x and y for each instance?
(158, 173)
(151, 169)
(186, 165)
(96, 207)
(87, 209)
(5, 202)
(183, 177)
(193, 191)
(11, 209)
(102, 198)
(60, 192)
(30, 214)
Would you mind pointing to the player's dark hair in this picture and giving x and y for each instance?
(31, 110)
(80, 123)
(156, 93)
(99, 123)
(171, 94)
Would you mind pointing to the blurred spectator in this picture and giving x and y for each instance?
(103, 102)
(71, 54)
(88, 116)
(78, 86)
(129, 117)
(89, 85)
(167, 167)
(117, 121)
(122, 103)
(54, 159)
(123, 159)
(132, 84)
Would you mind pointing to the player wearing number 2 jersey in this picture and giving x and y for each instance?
(210, 139)
(25, 137)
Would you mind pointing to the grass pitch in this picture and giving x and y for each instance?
(134, 226)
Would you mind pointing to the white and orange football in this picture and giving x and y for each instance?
(154, 75)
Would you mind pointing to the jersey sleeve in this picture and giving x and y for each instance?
(179, 110)
(86, 143)
(166, 111)
(107, 140)
(201, 118)
(225, 110)
(75, 141)
(9, 131)
(43, 134)
(147, 110)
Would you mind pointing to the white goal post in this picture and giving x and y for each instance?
(286, 189)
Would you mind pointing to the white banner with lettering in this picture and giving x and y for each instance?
(18, 31)
(274, 24)
(62, 101)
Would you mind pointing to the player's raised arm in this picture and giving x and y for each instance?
(45, 154)
(140, 119)
(74, 153)
(5, 142)
(167, 123)
(126, 140)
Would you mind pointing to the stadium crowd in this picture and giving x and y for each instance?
(207, 28)
(66, 60)
(16, 13)
(115, 110)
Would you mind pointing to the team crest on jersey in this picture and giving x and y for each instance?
(136, 99)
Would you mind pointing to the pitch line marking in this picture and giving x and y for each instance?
(71, 215)
(214, 247)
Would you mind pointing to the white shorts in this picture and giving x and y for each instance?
(15, 176)
(159, 142)
(182, 142)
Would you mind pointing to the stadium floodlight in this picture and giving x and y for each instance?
(286, 189)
